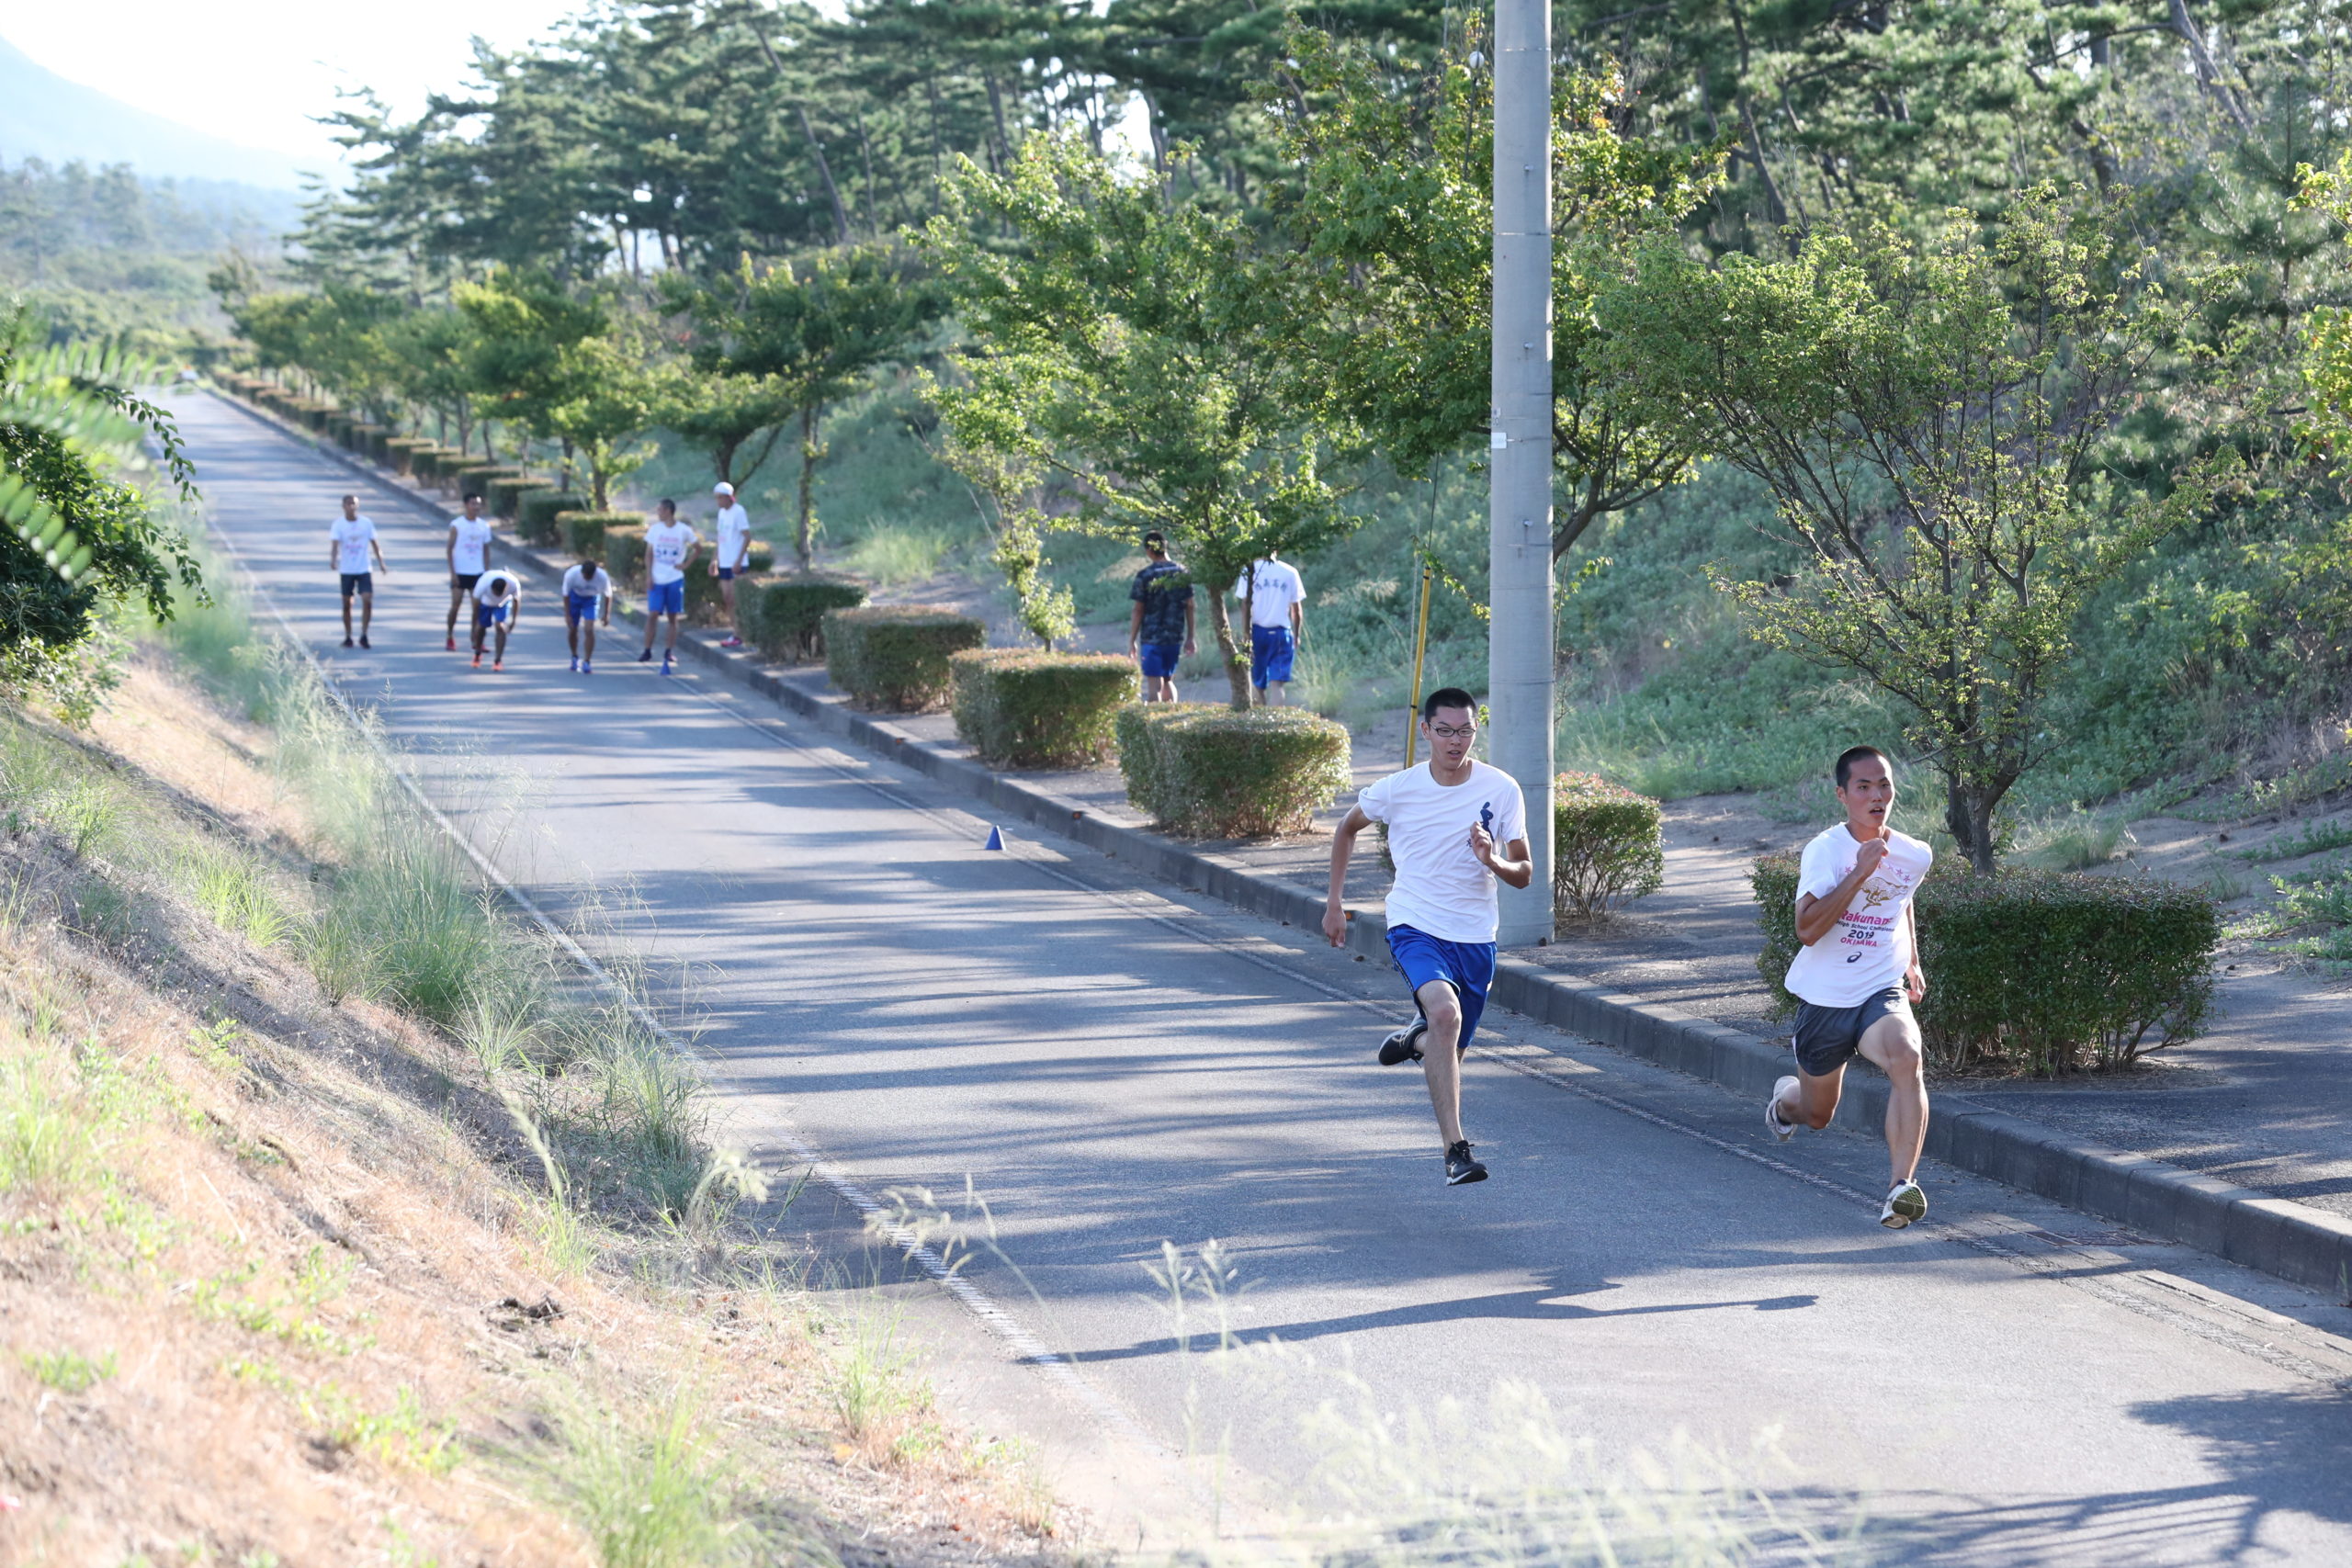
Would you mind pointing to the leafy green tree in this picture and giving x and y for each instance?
(1139, 352)
(1931, 417)
(802, 337)
(614, 390)
(76, 539)
(1392, 208)
(526, 331)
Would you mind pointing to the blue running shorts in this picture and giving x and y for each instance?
(579, 607)
(666, 598)
(357, 582)
(1271, 651)
(490, 614)
(1467, 967)
(1159, 659)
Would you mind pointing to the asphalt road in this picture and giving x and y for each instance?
(1115, 1068)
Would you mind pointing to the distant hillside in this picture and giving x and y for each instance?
(44, 115)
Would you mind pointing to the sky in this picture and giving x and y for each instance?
(256, 71)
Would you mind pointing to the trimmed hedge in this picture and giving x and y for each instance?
(706, 604)
(2042, 972)
(1023, 708)
(481, 476)
(784, 616)
(625, 549)
(583, 532)
(895, 655)
(503, 491)
(367, 440)
(400, 452)
(1210, 771)
(439, 464)
(1607, 846)
(536, 512)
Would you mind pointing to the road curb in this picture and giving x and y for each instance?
(2293, 1241)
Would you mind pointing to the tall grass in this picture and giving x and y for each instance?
(649, 1492)
(892, 553)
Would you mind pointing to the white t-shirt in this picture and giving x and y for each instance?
(1870, 948)
(483, 589)
(1278, 588)
(665, 552)
(1440, 886)
(577, 580)
(471, 537)
(351, 537)
(734, 533)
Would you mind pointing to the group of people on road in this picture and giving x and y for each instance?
(1456, 826)
(492, 597)
(1457, 829)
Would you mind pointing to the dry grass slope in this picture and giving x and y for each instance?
(292, 1274)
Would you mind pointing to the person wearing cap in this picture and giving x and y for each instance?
(733, 556)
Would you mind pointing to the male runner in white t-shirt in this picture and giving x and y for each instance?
(734, 554)
(469, 555)
(587, 600)
(351, 539)
(1276, 597)
(1858, 975)
(669, 548)
(1455, 825)
(498, 604)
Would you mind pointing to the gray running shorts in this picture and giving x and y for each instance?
(1827, 1038)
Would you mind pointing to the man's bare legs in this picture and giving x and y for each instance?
(1441, 1063)
(457, 597)
(1892, 1044)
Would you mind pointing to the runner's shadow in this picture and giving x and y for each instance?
(1540, 1304)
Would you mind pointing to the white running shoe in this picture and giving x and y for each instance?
(1782, 1131)
(1906, 1204)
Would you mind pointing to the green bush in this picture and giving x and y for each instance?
(625, 549)
(1210, 771)
(582, 532)
(367, 440)
(706, 604)
(481, 476)
(502, 490)
(536, 512)
(400, 451)
(895, 655)
(2042, 972)
(1607, 846)
(439, 464)
(338, 428)
(1023, 708)
(784, 616)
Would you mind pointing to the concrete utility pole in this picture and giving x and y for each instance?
(1518, 677)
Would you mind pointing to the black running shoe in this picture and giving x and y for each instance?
(1460, 1167)
(346, 642)
(1405, 1044)
(363, 640)
(646, 658)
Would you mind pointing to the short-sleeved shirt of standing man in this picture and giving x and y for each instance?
(1163, 589)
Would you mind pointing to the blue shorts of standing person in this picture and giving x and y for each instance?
(1270, 651)
(666, 598)
(1467, 967)
(1159, 659)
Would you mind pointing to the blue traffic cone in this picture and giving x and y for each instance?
(995, 838)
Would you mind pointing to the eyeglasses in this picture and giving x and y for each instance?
(1449, 732)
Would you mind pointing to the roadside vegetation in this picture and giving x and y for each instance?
(341, 1221)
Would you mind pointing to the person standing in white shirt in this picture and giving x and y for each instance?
(351, 542)
(1455, 825)
(587, 602)
(669, 548)
(1857, 976)
(733, 556)
(469, 556)
(1277, 605)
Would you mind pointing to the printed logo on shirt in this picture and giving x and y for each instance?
(1487, 816)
